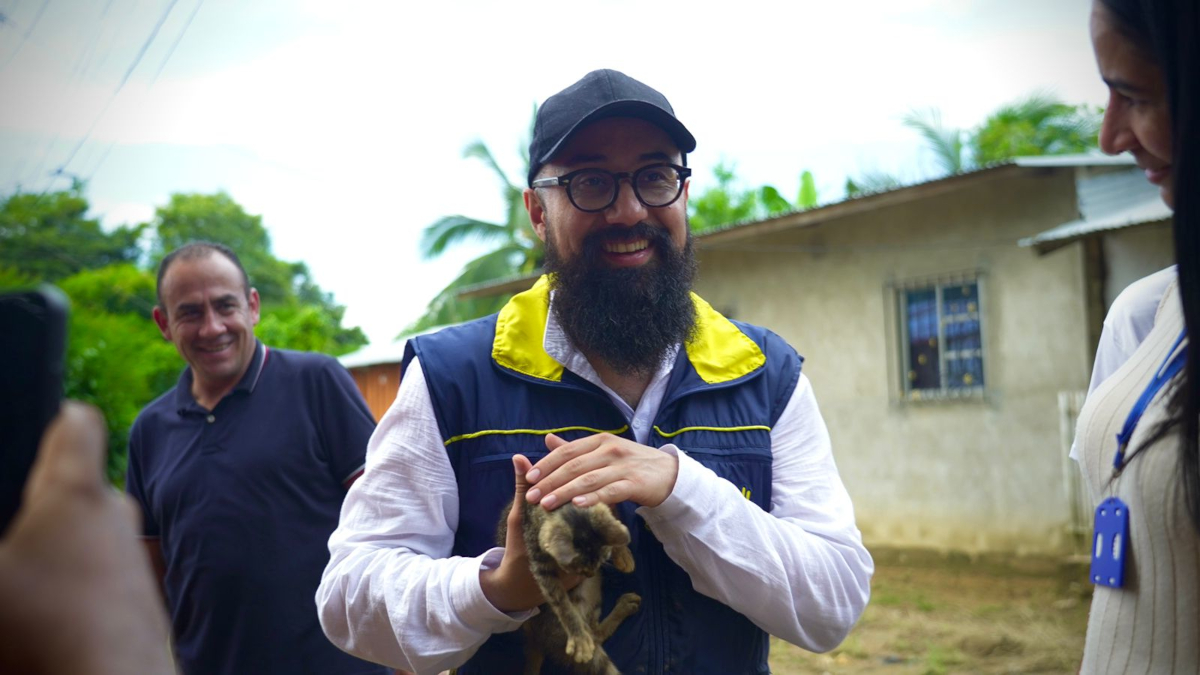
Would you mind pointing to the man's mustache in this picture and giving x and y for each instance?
(594, 242)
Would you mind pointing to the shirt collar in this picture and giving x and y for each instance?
(184, 400)
(559, 346)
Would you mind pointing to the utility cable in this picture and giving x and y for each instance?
(179, 38)
(33, 24)
(132, 66)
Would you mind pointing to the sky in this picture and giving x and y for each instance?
(343, 124)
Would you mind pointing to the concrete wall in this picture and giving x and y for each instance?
(1132, 253)
(974, 475)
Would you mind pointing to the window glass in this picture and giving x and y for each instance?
(924, 365)
(943, 335)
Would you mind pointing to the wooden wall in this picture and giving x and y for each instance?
(378, 384)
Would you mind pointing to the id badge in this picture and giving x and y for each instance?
(1109, 543)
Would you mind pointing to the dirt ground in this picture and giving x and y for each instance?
(933, 613)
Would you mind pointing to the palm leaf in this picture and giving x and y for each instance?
(478, 150)
(946, 144)
(808, 191)
(451, 230)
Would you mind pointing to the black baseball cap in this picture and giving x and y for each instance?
(600, 94)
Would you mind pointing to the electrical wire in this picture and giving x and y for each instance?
(32, 25)
(124, 80)
(179, 38)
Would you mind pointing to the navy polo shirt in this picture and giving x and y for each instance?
(243, 499)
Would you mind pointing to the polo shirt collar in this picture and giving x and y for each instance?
(184, 400)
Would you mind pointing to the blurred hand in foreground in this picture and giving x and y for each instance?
(76, 593)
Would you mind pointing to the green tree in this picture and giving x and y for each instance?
(218, 218)
(945, 143)
(774, 203)
(871, 182)
(1039, 124)
(516, 250)
(296, 313)
(727, 202)
(116, 358)
(49, 236)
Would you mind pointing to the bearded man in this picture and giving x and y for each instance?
(625, 389)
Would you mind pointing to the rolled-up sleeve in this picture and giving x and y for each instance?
(799, 572)
(392, 593)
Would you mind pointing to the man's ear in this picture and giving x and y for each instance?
(537, 214)
(254, 306)
(160, 320)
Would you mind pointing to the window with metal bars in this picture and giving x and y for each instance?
(941, 339)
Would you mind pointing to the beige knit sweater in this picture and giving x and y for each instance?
(1152, 624)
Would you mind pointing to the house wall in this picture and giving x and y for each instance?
(975, 475)
(378, 384)
(1134, 252)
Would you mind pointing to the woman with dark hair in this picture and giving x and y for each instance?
(1139, 432)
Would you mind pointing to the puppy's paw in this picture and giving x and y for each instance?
(622, 559)
(581, 647)
(628, 604)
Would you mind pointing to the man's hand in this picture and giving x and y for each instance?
(510, 587)
(601, 469)
(76, 594)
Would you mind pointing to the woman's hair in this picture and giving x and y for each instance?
(1170, 32)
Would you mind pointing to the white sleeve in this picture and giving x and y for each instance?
(391, 593)
(800, 572)
(1128, 322)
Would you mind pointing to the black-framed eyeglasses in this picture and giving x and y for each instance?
(592, 190)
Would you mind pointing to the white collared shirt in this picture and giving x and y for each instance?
(393, 594)
(1128, 322)
(641, 421)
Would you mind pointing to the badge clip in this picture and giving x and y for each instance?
(1110, 540)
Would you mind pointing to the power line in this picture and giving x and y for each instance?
(86, 57)
(146, 45)
(100, 163)
(132, 66)
(179, 38)
(37, 17)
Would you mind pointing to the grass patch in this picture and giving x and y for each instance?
(939, 660)
(853, 648)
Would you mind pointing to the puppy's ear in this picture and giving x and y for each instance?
(612, 530)
(555, 539)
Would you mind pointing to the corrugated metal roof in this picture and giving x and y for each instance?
(374, 354)
(1042, 161)
(1083, 159)
(1107, 202)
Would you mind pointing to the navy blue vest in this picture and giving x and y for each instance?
(497, 393)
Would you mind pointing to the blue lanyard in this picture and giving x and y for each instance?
(1169, 369)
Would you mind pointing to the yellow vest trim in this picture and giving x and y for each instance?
(718, 351)
(521, 332)
(673, 434)
(533, 432)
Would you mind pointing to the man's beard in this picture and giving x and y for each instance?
(628, 317)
